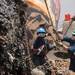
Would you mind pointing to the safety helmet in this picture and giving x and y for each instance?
(41, 30)
(73, 33)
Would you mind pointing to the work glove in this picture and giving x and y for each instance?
(55, 32)
(73, 18)
(59, 44)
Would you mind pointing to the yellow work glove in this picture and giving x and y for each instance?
(59, 44)
(55, 32)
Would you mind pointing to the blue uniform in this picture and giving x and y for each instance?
(40, 59)
(71, 51)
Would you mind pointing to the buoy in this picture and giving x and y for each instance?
(67, 17)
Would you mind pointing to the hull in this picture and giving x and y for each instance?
(40, 13)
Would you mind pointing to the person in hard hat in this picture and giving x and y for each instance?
(40, 47)
(70, 49)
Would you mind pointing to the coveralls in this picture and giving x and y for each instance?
(71, 51)
(40, 59)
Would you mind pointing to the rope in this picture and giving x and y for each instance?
(70, 23)
(50, 21)
(49, 14)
